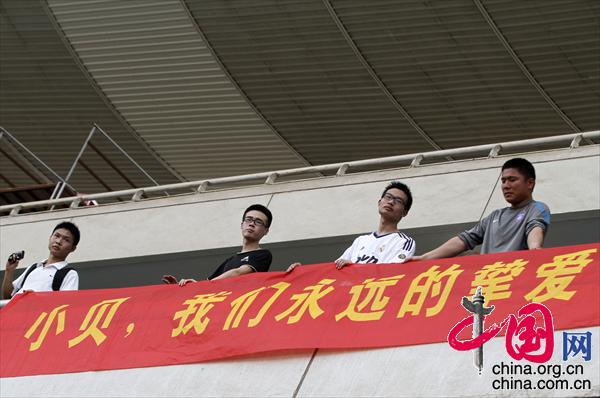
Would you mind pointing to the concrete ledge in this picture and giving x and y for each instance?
(450, 193)
(431, 370)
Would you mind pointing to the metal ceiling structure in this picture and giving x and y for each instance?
(198, 89)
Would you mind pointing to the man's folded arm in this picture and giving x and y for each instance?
(241, 270)
(452, 248)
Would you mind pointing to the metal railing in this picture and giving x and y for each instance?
(339, 169)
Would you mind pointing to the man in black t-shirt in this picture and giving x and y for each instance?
(257, 260)
(255, 224)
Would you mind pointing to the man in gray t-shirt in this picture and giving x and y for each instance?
(518, 227)
(506, 230)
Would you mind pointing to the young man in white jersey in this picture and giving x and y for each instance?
(387, 244)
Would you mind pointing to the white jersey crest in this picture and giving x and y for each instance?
(394, 247)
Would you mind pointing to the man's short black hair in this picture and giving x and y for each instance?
(404, 188)
(72, 228)
(263, 210)
(523, 166)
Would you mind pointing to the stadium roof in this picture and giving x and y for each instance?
(202, 89)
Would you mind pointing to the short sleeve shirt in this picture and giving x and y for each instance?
(40, 279)
(507, 229)
(395, 247)
(259, 260)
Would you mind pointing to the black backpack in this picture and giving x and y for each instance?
(59, 276)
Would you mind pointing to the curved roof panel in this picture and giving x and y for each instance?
(195, 89)
(152, 63)
(49, 105)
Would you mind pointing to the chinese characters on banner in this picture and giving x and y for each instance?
(316, 306)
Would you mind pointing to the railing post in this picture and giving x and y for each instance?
(271, 178)
(342, 170)
(495, 151)
(202, 187)
(417, 161)
(576, 141)
(137, 196)
(75, 203)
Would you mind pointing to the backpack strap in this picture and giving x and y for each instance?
(59, 277)
(27, 272)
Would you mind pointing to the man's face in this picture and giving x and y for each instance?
(515, 187)
(61, 244)
(254, 225)
(393, 204)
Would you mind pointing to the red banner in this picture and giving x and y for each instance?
(315, 306)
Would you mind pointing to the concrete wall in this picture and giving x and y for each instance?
(450, 193)
(430, 370)
(567, 229)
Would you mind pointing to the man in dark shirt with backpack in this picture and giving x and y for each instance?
(50, 274)
(255, 224)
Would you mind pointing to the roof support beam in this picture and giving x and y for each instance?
(376, 78)
(140, 168)
(239, 88)
(11, 139)
(112, 165)
(9, 182)
(94, 84)
(523, 67)
(93, 174)
(20, 166)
